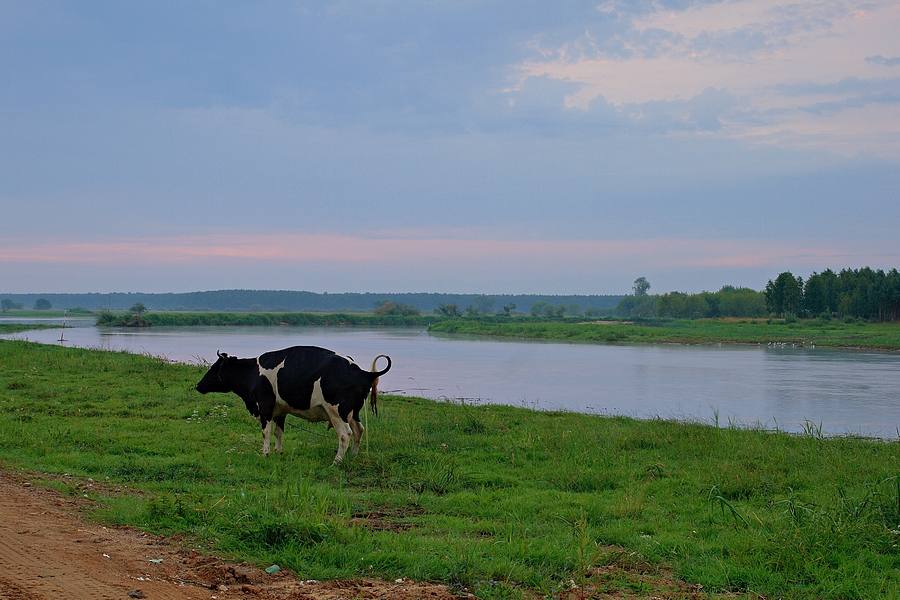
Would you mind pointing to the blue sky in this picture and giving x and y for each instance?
(471, 147)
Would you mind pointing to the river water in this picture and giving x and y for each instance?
(784, 387)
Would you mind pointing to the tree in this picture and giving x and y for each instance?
(541, 308)
(671, 305)
(785, 294)
(390, 308)
(485, 304)
(42, 304)
(8, 304)
(740, 302)
(138, 308)
(448, 310)
(508, 308)
(641, 286)
(820, 293)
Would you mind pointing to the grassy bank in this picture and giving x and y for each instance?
(172, 319)
(501, 500)
(835, 333)
(17, 327)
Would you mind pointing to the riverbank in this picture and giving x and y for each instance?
(19, 327)
(495, 499)
(259, 319)
(833, 333)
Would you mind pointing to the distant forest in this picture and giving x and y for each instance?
(288, 301)
(863, 294)
(872, 295)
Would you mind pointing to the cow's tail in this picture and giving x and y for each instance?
(373, 399)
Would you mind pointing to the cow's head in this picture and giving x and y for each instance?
(212, 381)
(231, 374)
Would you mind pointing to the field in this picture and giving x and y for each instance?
(835, 333)
(501, 501)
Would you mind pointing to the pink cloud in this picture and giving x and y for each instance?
(298, 249)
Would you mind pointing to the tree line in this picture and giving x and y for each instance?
(865, 293)
(729, 301)
(855, 293)
(872, 295)
(7, 304)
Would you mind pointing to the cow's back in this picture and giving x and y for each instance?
(302, 367)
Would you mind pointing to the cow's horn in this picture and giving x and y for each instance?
(220, 355)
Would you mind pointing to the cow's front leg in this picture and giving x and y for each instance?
(267, 436)
(279, 429)
(265, 401)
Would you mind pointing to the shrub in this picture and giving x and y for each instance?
(399, 309)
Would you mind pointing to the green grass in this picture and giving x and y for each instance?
(29, 313)
(701, 331)
(498, 499)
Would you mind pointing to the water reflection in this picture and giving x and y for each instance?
(845, 391)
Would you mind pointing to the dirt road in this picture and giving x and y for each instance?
(48, 552)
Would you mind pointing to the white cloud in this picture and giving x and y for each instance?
(752, 49)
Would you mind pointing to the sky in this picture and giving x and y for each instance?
(455, 146)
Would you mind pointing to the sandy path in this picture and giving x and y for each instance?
(47, 552)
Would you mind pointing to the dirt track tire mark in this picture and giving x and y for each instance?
(10, 591)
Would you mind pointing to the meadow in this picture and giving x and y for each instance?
(835, 333)
(502, 501)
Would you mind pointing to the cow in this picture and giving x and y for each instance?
(310, 382)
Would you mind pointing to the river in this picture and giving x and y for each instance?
(784, 387)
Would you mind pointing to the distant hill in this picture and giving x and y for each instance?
(288, 301)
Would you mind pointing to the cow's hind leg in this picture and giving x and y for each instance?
(341, 428)
(357, 428)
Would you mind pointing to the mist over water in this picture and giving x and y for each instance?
(843, 391)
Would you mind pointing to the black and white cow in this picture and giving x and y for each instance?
(312, 383)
